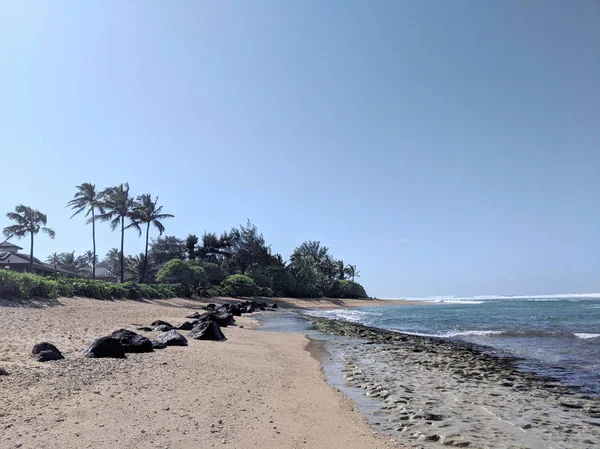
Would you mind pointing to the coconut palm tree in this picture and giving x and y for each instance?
(89, 200)
(53, 259)
(69, 262)
(135, 267)
(117, 206)
(27, 221)
(340, 269)
(351, 271)
(89, 258)
(146, 211)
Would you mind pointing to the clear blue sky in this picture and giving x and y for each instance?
(444, 147)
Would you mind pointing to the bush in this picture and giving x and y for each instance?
(65, 287)
(118, 291)
(265, 291)
(239, 285)
(26, 285)
(190, 276)
(347, 289)
(214, 274)
(10, 284)
(92, 288)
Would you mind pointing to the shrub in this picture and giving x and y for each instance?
(26, 285)
(92, 288)
(65, 287)
(190, 276)
(117, 291)
(214, 274)
(10, 284)
(347, 289)
(265, 291)
(239, 285)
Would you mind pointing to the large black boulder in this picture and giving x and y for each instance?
(223, 309)
(207, 330)
(105, 347)
(207, 316)
(223, 319)
(3, 372)
(236, 309)
(172, 338)
(131, 341)
(45, 352)
(274, 305)
(163, 328)
(158, 345)
(210, 307)
(186, 326)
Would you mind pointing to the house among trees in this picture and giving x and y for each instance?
(11, 258)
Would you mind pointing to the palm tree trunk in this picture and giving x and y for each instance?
(143, 279)
(31, 254)
(94, 244)
(122, 241)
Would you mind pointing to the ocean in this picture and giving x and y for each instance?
(551, 335)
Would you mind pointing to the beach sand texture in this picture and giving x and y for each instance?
(256, 389)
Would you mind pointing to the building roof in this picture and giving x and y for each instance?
(7, 244)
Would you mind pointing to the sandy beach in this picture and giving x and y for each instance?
(256, 389)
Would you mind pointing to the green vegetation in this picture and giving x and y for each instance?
(27, 285)
(237, 262)
(238, 285)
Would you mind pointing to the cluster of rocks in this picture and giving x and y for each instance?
(204, 326)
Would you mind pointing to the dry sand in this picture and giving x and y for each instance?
(256, 389)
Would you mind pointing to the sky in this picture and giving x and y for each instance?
(445, 148)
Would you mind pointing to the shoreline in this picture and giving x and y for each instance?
(438, 392)
(255, 389)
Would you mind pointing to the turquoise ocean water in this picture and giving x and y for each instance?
(553, 335)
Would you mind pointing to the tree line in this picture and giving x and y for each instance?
(114, 205)
(203, 263)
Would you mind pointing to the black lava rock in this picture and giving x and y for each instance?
(172, 338)
(45, 352)
(158, 345)
(207, 330)
(105, 347)
(132, 342)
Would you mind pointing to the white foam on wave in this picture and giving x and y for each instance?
(353, 315)
(586, 336)
(451, 334)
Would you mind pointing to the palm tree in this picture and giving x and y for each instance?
(89, 258)
(87, 199)
(117, 206)
(28, 221)
(69, 262)
(351, 271)
(341, 269)
(136, 266)
(111, 262)
(148, 212)
(53, 259)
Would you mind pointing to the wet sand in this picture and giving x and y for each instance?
(257, 389)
